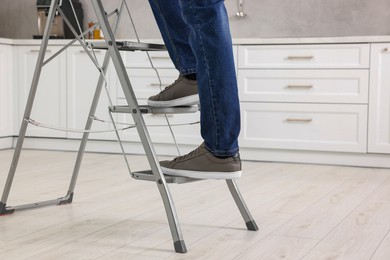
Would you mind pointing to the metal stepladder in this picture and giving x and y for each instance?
(155, 174)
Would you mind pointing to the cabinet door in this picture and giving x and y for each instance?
(324, 56)
(304, 86)
(379, 112)
(50, 102)
(325, 127)
(82, 81)
(6, 87)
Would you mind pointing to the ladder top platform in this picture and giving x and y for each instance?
(129, 46)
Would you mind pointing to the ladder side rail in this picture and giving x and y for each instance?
(79, 39)
(90, 29)
(29, 106)
(141, 127)
(92, 112)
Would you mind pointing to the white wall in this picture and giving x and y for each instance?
(266, 18)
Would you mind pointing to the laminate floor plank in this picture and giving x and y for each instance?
(383, 250)
(359, 234)
(202, 223)
(269, 216)
(319, 219)
(279, 247)
(316, 211)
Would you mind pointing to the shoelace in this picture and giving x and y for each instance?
(170, 86)
(190, 154)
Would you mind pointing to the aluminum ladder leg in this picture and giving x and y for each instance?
(22, 133)
(179, 244)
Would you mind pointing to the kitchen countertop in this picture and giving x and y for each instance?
(243, 41)
(6, 41)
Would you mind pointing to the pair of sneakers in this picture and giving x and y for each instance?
(200, 163)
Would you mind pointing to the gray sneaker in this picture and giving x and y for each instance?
(201, 164)
(183, 92)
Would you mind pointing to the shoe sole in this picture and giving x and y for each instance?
(202, 175)
(184, 101)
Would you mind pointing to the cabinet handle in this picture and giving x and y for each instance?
(309, 57)
(299, 120)
(36, 51)
(160, 58)
(300, 86)
(158, 85)
(385, 50)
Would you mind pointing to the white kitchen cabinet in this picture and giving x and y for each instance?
(379, 123)
(304, 86)
(304, 97)
(50, 102)
(82, 78)
(301, 102)
(6, 89)
(145, 82)
(159, 59)
(311, 56)
(326, 127)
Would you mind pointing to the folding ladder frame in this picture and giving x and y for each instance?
(155, 174)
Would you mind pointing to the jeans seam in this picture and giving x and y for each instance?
(207, 73)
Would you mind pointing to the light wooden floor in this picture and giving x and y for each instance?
(303, 211)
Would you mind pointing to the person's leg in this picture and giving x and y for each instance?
(175, 33)
(211, 43)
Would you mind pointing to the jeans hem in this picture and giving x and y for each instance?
(187, 71)
(223, 153)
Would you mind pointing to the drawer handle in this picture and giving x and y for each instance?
(299, 120)
(309, 57)
(158, 85)
(160, 58)
(300, 86)
(385, 50)
(36, 51)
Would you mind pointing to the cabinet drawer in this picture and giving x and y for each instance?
(304, 126)
(304, 56)
(140, 59)
(327, 86)
(145, 82)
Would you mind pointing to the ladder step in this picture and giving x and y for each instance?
(145, 109)
(129, 46)
(148, 176)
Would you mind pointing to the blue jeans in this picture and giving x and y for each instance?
(197, 36)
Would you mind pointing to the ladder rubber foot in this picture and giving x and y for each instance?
(67, 200)
(180, 247)
(251, 225)
(4, 210)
